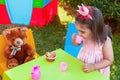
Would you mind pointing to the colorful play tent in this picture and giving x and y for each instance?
(27, 12)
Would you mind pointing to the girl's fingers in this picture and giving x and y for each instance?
(85, 69)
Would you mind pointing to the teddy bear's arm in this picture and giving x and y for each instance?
(30, 50)
(8, 52)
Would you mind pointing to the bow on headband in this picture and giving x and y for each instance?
(84, 12)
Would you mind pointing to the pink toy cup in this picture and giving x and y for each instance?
(36, 73)
(79, 39)
(63, 66)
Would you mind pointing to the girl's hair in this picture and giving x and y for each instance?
(96, 25)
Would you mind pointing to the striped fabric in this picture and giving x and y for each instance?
(92, 53)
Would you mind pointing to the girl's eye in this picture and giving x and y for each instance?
(82, 32)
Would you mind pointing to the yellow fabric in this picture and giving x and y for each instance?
(3, 44)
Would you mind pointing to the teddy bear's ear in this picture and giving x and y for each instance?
(5, 33)
(23, 29)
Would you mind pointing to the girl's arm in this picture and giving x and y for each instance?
(108, 56)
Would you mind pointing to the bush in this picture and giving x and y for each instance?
(109, 8)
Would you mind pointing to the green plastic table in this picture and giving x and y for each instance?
(51, 70)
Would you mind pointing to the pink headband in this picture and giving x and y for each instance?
(84, 12)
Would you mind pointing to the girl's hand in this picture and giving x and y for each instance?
(88, 67)
(76, 39)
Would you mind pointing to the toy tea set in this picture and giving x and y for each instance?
(50, 57)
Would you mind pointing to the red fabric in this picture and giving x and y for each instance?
(4, 18)
(42, 16)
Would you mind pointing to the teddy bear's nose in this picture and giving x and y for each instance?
(18, 42)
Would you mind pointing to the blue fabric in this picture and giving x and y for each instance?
(19, 11)
(45, 2)
(69, 47)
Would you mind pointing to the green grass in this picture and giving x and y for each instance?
(115, 68)
(50, 37)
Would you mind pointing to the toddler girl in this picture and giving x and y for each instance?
(97, 51)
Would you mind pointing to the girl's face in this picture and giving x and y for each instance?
(85, 32)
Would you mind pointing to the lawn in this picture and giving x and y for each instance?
(115, 68)
(52, 36)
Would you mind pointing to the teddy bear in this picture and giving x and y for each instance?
(17, 51)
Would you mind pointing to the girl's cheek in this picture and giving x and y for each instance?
(82, 35)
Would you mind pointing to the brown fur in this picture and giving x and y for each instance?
(25, 54)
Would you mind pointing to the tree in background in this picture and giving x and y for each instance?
(109, 8)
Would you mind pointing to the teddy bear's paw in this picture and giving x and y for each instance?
(12, 65)
(28, 59)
